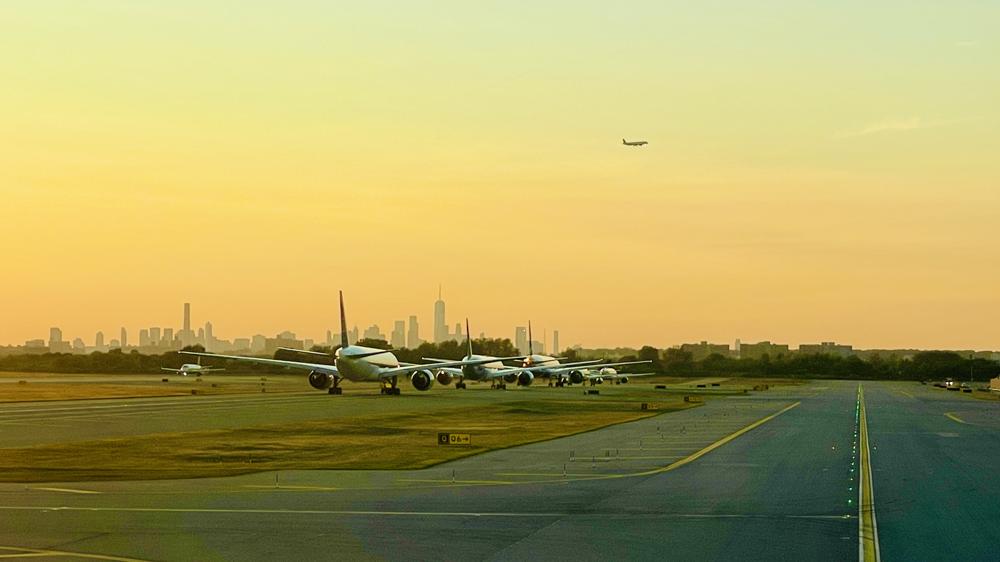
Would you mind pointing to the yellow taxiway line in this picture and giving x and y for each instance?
(953, 417)
(868, 548)
(18, 552)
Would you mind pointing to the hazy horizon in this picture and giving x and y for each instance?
(814, 173)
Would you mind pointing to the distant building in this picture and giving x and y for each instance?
(440, 327)
(538, 346)
(143, 337)
(258, 343)
(55, 336)
(413, 336)
(78, 345)
(241, 344)
(825, 348)
(352, 335)
(56, 343)
(115, 344)
(209, 337)
(703, 349)
(123, 338)
(168, 337)
(521, 339)
(271, 345)
(398, 334)
(459, 334)
(374, 333)
(758, 350)
(99, 340)
(35, 344)
(555, 341)
(154, 336)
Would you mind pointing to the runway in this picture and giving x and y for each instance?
(761, 477)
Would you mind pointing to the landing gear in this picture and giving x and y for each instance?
(335, 389)
(459, 385)
(389, 387)
(499, 386)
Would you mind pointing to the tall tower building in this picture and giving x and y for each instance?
(413, 335)
(99, 340)
(521, 339)
(55, 336)
(440, 327)
(555, 342)
(458, 335)
(398, 339)
(124, 338)
(154, 336)
(209, 337)
(187, 318)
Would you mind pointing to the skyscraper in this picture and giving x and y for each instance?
(209, 337)
(99, 340)
(55, 336)
(187, 318)
(168, 337)
(440, 328)
(124, 338)
(458, 335)
(555, 342)
(521, 339)
(143, 337)
(398, 339)
(154, 336)
(413, 336)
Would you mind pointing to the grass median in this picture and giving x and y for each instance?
(380, 441)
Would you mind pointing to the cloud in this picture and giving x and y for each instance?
(909, 124)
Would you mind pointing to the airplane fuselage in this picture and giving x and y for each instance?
(365, 368)
(483, 371)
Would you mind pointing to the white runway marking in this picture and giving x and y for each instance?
(67, 490)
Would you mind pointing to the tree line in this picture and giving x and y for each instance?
(925, 365)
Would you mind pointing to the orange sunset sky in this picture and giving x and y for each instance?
(813, 173)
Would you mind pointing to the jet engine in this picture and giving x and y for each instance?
(525, 378)
(422, 380)
(511, 378)
(575, 377)
(623, 380)
(320, 380)
(444, 378)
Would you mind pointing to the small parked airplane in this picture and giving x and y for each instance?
(633, 143)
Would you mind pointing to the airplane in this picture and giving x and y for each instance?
(356, 363)
(608, 373)
(549, 367)
(192, 368)
(493, 371)
(634, 143)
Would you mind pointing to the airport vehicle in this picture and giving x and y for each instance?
(192, 368)
(634, 143)
(357, 363)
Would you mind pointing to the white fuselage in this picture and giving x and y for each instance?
(367, 368)
(482, 371)
(193, 369)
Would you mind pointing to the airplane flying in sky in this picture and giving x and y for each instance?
(634, 143)
(356, 363)
(192, 368)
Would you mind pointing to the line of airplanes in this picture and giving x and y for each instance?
(367, 364)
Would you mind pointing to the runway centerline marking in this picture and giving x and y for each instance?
(868, 547)
(952, 416)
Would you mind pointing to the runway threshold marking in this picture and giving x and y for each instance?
(952, 416)
(868, 547)
(67, 490)
(22, 552)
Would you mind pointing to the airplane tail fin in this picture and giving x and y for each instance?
(623, 141)
(343, 323)
(468, 337)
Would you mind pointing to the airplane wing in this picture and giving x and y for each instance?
(621, 375)
(570, 367)
(393, 371)
(171, 370)
(305, 351)
(331, 369)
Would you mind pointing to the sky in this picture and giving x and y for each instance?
(815, 171)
